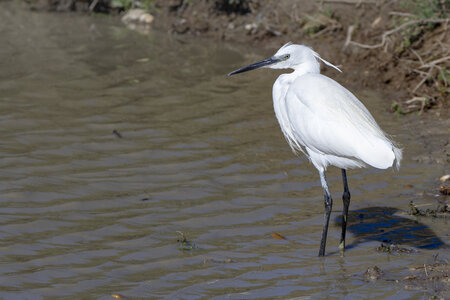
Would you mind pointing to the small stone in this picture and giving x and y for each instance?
(445, 178)
(249, 27)
(146, 18)
(444, 190)
(137, 15)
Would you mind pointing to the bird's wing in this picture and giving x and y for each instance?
(328, 119)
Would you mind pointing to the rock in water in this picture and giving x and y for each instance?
(137, 15)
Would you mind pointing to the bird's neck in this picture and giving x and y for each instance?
(311, 66)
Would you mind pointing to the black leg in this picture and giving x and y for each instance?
(346, 200)
(328, 206)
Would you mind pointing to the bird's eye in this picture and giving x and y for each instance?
(286, 56)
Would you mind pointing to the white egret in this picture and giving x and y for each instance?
(326, 122)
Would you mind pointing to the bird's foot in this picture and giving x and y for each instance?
(342, 249)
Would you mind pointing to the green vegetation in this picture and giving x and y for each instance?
(419, 10)
(395, 107)
(427, 9)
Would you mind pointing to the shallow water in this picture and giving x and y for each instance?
(87, 213)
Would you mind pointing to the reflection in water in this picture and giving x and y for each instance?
(382, 225)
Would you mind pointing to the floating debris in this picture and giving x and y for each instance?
(142, 60)
(118, 296)
(373, 273)
(392, 248)
(145, 199)
(413, 210)
(278, 236)
(117, 133)
(184, 244)
(217, 261)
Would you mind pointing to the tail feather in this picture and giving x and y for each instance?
(398, 156)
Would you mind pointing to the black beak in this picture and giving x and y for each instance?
(257, 65)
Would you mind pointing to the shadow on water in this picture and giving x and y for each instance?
(382, 225)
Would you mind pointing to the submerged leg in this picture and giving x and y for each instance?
(346, 200)
(328, 205)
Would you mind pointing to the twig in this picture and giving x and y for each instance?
(442, 74)
(443, 45)
(326, 29)
(444, 78)
(416, 99)
(272, 31)
(423, 80)
(182, 8)
(422, 101)
(348, 39)
(334, 25)
(418, 56)
(419, 72)
(385, 35)
(402, 14)
(435, 62)
(93, 5)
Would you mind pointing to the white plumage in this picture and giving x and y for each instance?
(325, 121)
(342, 134)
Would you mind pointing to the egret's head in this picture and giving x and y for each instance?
(290, 56)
